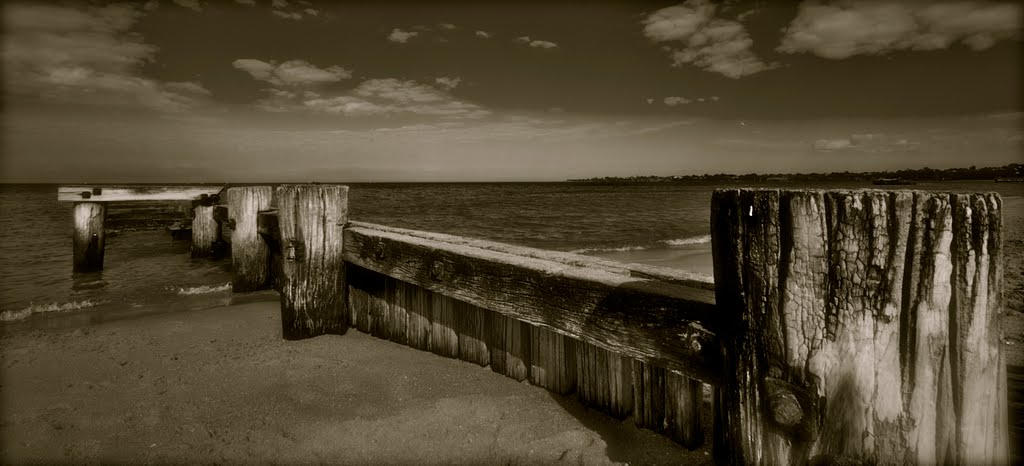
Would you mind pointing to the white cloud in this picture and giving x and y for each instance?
(872, 28)
(483, 34)
(447, 83)
(448, 26)
(287, 14)
(710, 43)
(828, 145)
(673, 101)
(279, 3)
(190, 4)
(543, 44)
(85, 55)
(400, 36)
(291, 72)
(377, 97)
(311, 12)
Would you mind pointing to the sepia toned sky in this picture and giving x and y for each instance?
(286, 90)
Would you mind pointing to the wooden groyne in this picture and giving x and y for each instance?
(841, 326)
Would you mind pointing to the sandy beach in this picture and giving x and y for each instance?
(220, 385)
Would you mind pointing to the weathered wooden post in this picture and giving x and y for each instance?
(205, 231)
(250, 262)
(313, 289)
(866, 327)
(89, 238)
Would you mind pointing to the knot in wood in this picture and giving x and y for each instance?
(785, 408)
(695, 344)
(379, 250)
(437, 270)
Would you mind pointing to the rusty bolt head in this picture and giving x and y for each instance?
(378, 250)
(437, 269)
(695, 344)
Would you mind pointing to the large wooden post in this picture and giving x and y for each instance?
(205, 231)
(865, 327)
(313, 289)
(89, 238)
(250, 262)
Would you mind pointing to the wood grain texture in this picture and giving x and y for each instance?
(444, 335)
(135, 193)
(312, 273)
(473, 333)
(682, 410)
(417, 306)
(639, 318)
(205, 231)
(604, 380)
(552, 361)
(665, 274)
(250, 264)
(88, 236)
(873, 313)
(649, 396)
(509, 346)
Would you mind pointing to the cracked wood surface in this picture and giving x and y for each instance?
(311, 219)
(249, 252)
(880, 308)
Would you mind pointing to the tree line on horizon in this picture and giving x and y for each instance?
(1011, 171)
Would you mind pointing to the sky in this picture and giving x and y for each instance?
(299, 91)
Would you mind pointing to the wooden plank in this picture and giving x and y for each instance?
(444, 336)
(509, 346)
(865, 327)
(682, 410)
(665, 274)
(552, 361)
(473, 333)
(395, 315)
(666, 324)
(250, 263)
(312, 274)
(134, 193)
(267, 224)
(649, 396)
(417, 306)
(89, 236)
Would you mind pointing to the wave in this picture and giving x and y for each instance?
(204, 289)
(692, 240)
(21, 314)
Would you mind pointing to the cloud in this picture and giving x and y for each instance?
(448, 26)
(245, 2)
(376, 97)
(713, 44)
(484, 34)
(543, 44)
(287, 14)
(828, 145)
(291, 72)
(85, 55)
(279, 3)
(400, 36)
(447, 83)
(190, 4)
(311, 12)
(673, 101)
(873, 28)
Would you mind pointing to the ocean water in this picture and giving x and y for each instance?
(660, 224)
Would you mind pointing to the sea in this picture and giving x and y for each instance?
(145, 270)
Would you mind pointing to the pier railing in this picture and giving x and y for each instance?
(841, 326)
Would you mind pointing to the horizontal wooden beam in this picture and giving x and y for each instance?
(134, 193)
(666, 324)
(683, 277)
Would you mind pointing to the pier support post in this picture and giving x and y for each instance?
(865, 327)
(250, 263)
(205, 231)
(89, 238)
(313, 289)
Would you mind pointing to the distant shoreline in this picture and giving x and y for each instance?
(1012, 172)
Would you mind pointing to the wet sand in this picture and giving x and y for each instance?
(220, 385)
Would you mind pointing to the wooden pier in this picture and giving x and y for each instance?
(849, 327)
